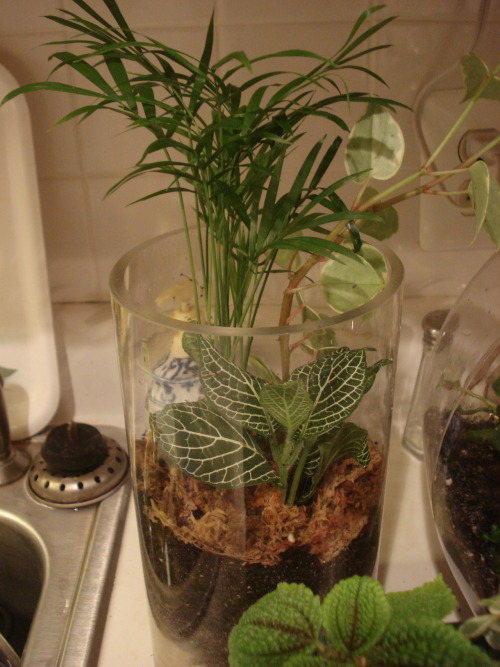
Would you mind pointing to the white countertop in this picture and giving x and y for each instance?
(410, 553)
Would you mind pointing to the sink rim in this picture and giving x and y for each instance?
(68, 622)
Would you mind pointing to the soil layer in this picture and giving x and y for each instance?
(210, 553)
(467, 504)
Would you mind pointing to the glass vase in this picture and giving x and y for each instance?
(210, 551)
(461, 435)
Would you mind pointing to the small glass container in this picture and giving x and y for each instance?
(412, 436)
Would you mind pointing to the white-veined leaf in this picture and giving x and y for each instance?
(233, 391)
(288, 403)
(336, 384)
(375, 143)
(207, 446)
(347, 284)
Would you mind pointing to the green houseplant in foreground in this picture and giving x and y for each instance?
(357, 624)
(258, 451)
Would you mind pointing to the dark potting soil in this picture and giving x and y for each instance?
(467, 504)
(196, 596)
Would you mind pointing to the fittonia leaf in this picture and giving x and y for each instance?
(230, 389)
(288, 402)
(335, 384)
(209, 447)
(248, 430)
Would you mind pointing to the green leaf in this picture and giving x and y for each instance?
(371, 372)
(335, 384)
(375, 143)
(356, 614)
(477, 626)
(492, 219)
(283, 624)
(479, 190)
(288, 403)
(386, 226)
(347, 284)
(350, 441)
(421, 642)
(433, 600)
(258, 367)
(475, 73)
(313, 245)
(207, 446)
(233, 391)
(5, 372)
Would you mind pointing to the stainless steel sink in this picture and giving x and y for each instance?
(56, 571)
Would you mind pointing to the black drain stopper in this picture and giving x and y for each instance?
(74, 448)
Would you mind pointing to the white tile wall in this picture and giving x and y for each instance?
(85, 232)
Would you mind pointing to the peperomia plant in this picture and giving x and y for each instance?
(248, 431)
(357, 624)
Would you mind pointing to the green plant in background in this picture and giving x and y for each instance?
(222, 135)
(357, 624)
(485, 625)
(223, 132)
(490, 408)
(5, 372)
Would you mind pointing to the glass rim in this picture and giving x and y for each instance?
(120, 294)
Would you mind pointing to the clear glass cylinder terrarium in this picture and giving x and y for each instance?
(218, 528)
(461, 430)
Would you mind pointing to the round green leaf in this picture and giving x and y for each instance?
(379, 229)
(348, 283)
(356, 614)
(375, 146)
(280, 625)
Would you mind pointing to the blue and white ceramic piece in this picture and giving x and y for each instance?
(174, 380)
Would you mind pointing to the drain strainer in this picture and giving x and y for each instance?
(60, 479)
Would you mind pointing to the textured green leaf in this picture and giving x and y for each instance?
(335, 384)
(356, 614)
(422, 642)
(309, 661)
(347, 284)
(376, 144)
(208, 447)
(386, 226)
(288, 403)
(280, 625)
(233, 391)
(434, 600)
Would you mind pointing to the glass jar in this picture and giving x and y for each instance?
(210, 551)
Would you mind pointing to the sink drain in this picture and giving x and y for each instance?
(77, 466)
